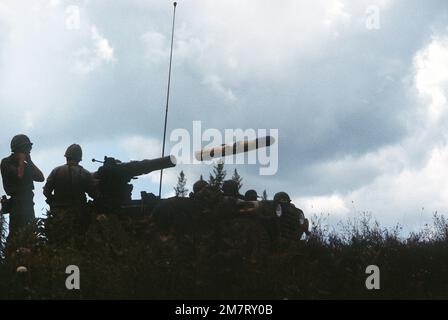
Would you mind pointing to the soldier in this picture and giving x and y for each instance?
(251, 195)
(198, 187)
(65, 190)
(67, 185)
(291, 220)
(230, 189)
(18, 174)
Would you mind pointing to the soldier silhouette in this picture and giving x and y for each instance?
(65, 190)
(18, 175)
(67, 185)
(292, 223)
(251, 195)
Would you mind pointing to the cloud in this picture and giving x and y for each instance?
(216, 84)
(401, 188)
(336, 13)
(333, 204)
(431, 78)
(73, 18)
(156, 47)
(138, 147)
(89, 59)
(408, 192)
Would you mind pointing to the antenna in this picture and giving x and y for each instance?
(167, 98)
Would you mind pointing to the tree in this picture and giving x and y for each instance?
(265, 195)
(237, 178)
(180, 189)
(217, 178)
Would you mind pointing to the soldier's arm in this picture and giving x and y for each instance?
(37, 174)
(49, 185)
(8, 169)
(9, 176)
(20, 158)
(90, 185)
(303, 223)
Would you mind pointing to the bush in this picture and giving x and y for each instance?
(124, 257)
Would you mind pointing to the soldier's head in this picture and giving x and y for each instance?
(230, 188)
(251, 195)
(282, 198)
(74, 153)
(21, 144)
(199, 186)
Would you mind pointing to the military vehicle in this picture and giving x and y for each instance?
(115, 190)
(254, 223)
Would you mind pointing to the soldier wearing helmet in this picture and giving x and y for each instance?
(205, 193)
(251, 195)
(291, 220)
(230, 189)
(18, 174)
(282, 197)
(67, 185)
(199, 185)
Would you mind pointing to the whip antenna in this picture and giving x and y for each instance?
(167, 98)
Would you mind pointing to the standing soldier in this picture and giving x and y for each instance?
(18, 175)
(67, 185)
(65, 190)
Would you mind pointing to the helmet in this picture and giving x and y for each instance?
(282, 197)
(230, 188)
(199, 185)
(74, 152)
(250, 195)
(20, 141)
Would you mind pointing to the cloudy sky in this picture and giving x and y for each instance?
(357, 89)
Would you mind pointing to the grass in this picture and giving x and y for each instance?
(121, 257)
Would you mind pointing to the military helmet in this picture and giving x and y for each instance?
(199, 185)
(74, 152)
(19, 141)
(282, 197)
(251, 195)
(230, 188)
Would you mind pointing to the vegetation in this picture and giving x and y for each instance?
(180, 189)
(265, 195)
(216, 178)
(211, 251)
(237, 178)
(120, 257)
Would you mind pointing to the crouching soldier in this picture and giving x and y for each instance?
(66, 189)
(251, 195)
(291, 220)
(230, 190)
(199, 189)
